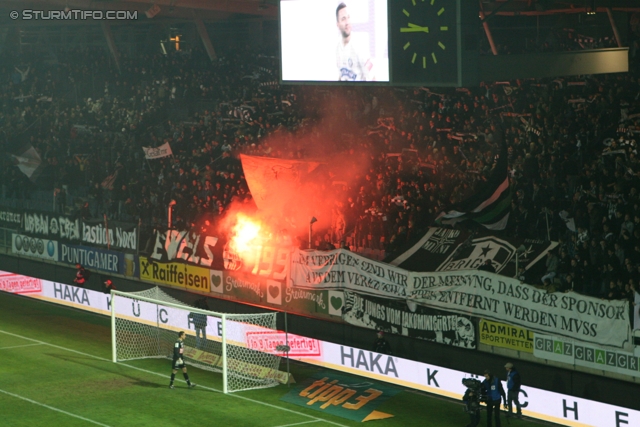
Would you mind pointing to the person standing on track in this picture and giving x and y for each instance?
(495, 393)
(513, 390)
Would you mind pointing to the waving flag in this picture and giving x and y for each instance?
(158, 152)
(446, 249)
(490, 206)
(27, 159)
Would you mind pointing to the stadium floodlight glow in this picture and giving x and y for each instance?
(145, 325)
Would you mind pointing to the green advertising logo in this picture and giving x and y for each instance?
(336, 303)
(558, 347)
(347, 397)
(625, 363)
(274, 291)
(216, 280)
(274, 294)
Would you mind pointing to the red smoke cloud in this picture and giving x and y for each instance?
(309, 172)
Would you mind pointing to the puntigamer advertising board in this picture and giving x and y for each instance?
(93, 258)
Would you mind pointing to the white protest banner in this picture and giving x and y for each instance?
(343, 269)
(159, 152)
(507, 300)
(471, 292)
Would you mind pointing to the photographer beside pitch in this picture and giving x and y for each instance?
(513, 390)
(472, 398)
(495, 393)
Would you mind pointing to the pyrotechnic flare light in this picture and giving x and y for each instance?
(245, 233)
(249, 239)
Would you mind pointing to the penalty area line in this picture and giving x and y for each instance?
(237, 396)
(18, 346)
(52, 408)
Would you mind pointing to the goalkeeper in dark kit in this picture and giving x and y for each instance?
(178, 361)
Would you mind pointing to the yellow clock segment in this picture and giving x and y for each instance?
(424, 39)
(437, 10)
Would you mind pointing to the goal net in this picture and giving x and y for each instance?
(146, 325)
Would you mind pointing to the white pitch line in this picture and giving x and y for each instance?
(299, 424)
(18, 346)
(53, 409)
(164, 375)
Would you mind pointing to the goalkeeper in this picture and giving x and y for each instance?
(178, 362)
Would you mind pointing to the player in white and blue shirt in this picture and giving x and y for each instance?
(352, 60)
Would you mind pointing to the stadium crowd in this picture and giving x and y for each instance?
(572, 150)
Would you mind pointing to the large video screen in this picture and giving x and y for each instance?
(334, 40)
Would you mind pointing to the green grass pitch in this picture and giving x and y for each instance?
(56, 370)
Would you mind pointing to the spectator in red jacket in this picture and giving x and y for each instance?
(81, 275)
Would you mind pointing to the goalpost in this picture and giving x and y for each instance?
(146, 325)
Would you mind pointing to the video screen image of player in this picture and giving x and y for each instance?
(334, 41)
